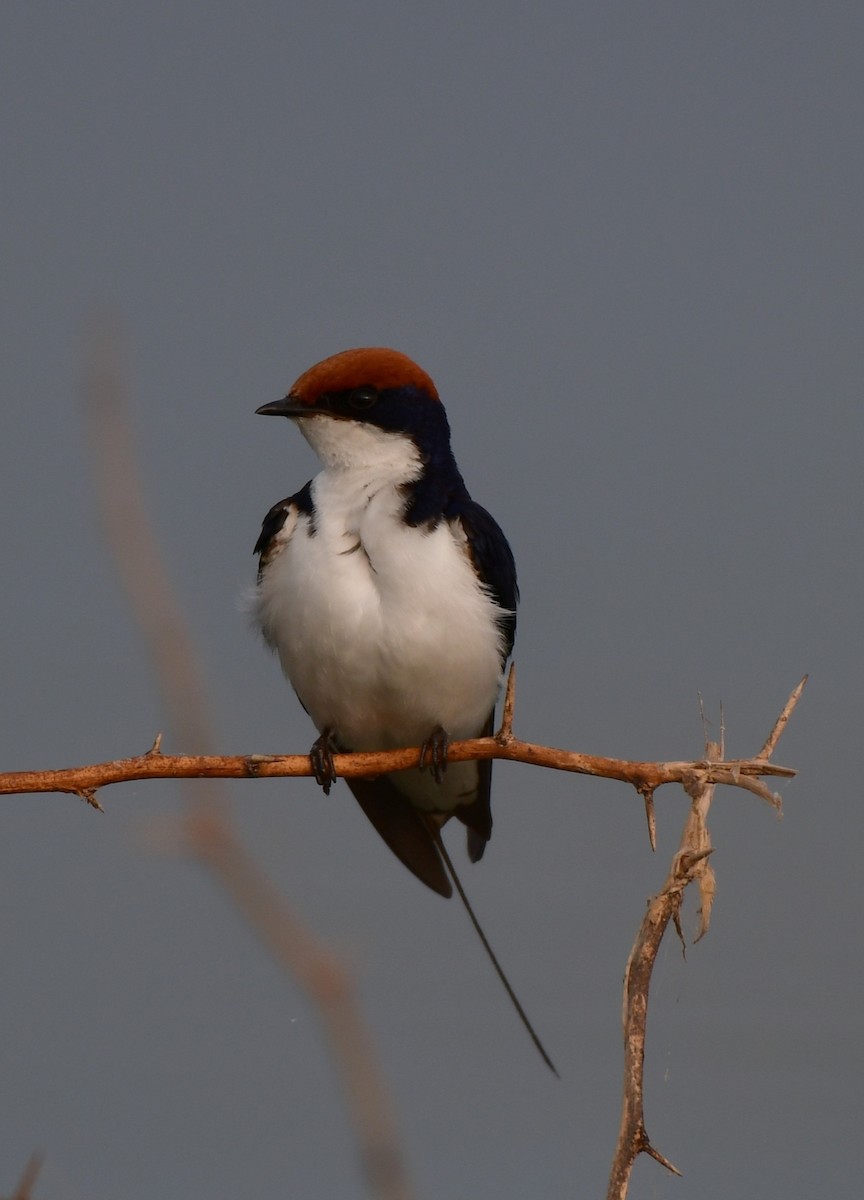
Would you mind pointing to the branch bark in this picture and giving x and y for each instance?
(646, 777)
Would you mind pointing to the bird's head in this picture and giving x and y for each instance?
(364, 403)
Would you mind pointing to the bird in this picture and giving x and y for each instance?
(389, 596)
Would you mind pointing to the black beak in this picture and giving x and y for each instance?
(287, 407)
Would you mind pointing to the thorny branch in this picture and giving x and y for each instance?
(646, 777)
(210, 835)
(690, 863)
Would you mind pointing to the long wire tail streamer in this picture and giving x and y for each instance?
(499, 970)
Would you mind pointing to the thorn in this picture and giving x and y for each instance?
(505, 733)
(650, 815)
(658, 1157)
(88, 795)
(780, 724)
(686, 860)
(703, 718)
(156, 748)
(676, 919)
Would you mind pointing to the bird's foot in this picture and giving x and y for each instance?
(433, 753)
(321, 758)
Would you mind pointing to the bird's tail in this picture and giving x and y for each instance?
(499, 970)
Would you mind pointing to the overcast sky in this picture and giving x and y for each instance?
(626, 242)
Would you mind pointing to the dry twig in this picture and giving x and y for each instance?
(646, 777)
(690, 863)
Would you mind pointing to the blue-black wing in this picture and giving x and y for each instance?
(493, 561)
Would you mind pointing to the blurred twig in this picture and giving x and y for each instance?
(133, 544)
(209, 834)
(27, 1182)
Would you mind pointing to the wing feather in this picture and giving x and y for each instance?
(279, 524)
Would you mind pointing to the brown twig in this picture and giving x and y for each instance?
(644, 776)
(690, 863)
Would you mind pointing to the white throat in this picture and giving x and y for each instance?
(356, 446)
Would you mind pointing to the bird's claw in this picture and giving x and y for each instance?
(321, 758)
(433, 753)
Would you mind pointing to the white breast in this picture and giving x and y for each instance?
(382, 629)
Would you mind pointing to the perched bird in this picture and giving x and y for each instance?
(390, 597)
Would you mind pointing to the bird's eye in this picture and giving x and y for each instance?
(363, 397)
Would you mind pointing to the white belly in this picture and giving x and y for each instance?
(384, 632)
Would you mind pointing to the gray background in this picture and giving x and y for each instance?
(625, 240)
